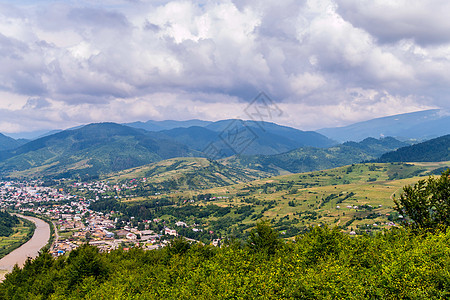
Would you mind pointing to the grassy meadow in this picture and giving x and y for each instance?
(357, 198)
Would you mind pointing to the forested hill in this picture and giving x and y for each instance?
(247, 137)
(7, 222)
(437, 149)
(7, 143)
(96, 149)
(307, 159)
(91, 150)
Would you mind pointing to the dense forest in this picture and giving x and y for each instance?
(324, 263)
(431, 150)
(7, 222)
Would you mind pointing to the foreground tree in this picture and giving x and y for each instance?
(263, 238)
(426, 205)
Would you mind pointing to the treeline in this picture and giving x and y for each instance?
(323, 263)
(431, 150)
(7, 222)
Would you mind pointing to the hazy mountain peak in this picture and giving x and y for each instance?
(415, 125)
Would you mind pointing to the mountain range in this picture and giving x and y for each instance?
(307, 159)
(8, 143)
(421, 125)
(102, 148)
(235, 136)
(167, 124)
(90, 150)
(107, 147)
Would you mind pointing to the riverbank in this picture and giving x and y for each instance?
(22, 233)
(29, 249)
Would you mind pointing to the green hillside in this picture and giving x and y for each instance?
(309, 159)
(292, 255)
(437, 149)
(186, 173)
(89, 151)
(356, 197)
(7, 143)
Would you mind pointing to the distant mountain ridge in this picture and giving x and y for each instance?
(167, 124)
(7, 143)
(419, 125)
(101, 148)
(437, 149)
(307, 159)
(247, 137)
(90, 150)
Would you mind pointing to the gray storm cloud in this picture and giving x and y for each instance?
(344, 61)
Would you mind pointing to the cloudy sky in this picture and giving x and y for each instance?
(323, 62)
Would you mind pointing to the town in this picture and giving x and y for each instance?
(75, 223)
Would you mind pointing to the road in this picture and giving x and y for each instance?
(29, 249)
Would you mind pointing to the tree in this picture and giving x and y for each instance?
(263, 238)
(84, 262)
(426, 205)
(178, 245)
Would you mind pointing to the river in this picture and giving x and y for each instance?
(29, 249)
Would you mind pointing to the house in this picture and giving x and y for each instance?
(108, 234)
(147, 232)
(122, 232)
(170, 231)
(181, 224)
(131, 236)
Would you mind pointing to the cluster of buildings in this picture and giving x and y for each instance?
(100, 187)
(97, 229)
(76, 223)
(27, 194)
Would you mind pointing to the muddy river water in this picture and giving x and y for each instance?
(29, 249)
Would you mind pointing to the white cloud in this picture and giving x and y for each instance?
(127, 60)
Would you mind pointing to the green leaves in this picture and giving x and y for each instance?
(426, 204)
(85, 262)
(322, 264)
(263, 239)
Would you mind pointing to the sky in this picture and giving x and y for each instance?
(322, 63)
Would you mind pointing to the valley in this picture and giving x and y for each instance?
(356, 198)
(109, 190)
(224, 150)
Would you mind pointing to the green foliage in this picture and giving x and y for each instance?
(322, 264)
(7, 222)
(85, 262)
(178, 245)
(263, 238)
(431, 150)
(426, 204)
